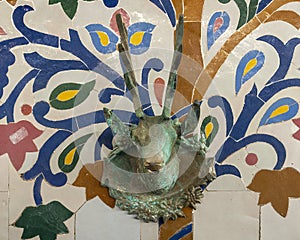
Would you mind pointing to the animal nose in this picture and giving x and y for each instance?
(153, 166)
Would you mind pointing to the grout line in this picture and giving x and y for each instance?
(259, 222)
(221, 191)
(8, 200)
(190, 21)
(141, 230)
(75, 216)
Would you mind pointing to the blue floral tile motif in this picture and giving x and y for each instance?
(282, 110)
(217, 25)
(249, 65)
(103, 38)
(139, 37)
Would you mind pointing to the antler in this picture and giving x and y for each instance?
(170, 92)
(129, 76)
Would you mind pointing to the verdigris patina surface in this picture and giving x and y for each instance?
(157, 167)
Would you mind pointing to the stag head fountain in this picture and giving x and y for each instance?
(156, 167)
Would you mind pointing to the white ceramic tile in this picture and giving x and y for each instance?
(227, 215)
(293, 6)
(227, 183)
(95, 221)
(20, 195)
(4, 162)
(284, 131)
(275, 227)
(3, 215)
(149, 231)
(63, 195)
(39, 18)
(70, 223)
(16, 233)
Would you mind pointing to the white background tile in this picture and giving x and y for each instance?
(275, 227)
(95, 220)
(227, 215)
(149, 231)
(4, 162)
(3, 215)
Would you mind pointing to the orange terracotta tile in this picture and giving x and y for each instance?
(275, 4)
(191, 41)
(201, 86)
(262, 16)
(188, 237)
(88, 178)
(191, 65)
(286, 16)
(183, 96)
(12, 2)
(171, 227)
(178, 5)
(265, 181)
(193, 10)
(250, 26)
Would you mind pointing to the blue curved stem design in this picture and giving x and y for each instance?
(285, 53)
(182, 112)
(227, 169)
(270, 90)
(105, 139)
(42, 165)
(75, 47)
(159, 5)
(251, 106)
(72, 124)
(167, 7)
(254, 102)
(106, 94)
(231, 146)
(37, 190)
(152, 64)
(48, 68)
(262, 4)
(8, 58)
(32, 35)
(182, 232)
(221, 102)
(7, 108)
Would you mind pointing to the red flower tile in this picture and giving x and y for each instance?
(296, 135)
(17, 139)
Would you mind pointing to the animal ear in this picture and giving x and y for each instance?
(192, 119)
(115, 123)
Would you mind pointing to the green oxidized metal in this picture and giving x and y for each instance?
(157, 167)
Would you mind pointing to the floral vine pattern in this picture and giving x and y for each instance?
(18, 137)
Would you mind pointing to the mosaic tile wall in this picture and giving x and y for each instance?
(59, 67)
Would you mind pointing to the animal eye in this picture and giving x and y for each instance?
(103, 38)
(139, 37)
